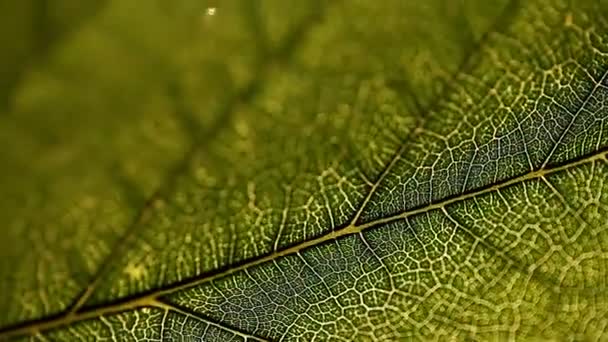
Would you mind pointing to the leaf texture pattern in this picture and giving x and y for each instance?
(315, 171)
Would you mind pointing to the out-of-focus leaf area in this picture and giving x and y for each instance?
(277, 170)
(29, 31)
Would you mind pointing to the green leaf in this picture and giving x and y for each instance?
(219, 171)
(30, 29)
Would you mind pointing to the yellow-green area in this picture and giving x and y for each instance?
(304, 171)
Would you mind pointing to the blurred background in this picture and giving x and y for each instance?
(30, 29)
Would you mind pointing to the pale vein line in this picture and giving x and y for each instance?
(379, 259)
(284, 213)
(580, 109)
(377, 183)
(172, 307)
(162, 324)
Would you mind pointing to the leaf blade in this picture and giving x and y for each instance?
(351, 280)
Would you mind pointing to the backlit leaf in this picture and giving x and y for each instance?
(310, 171)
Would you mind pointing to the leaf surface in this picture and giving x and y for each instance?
(321, 171)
